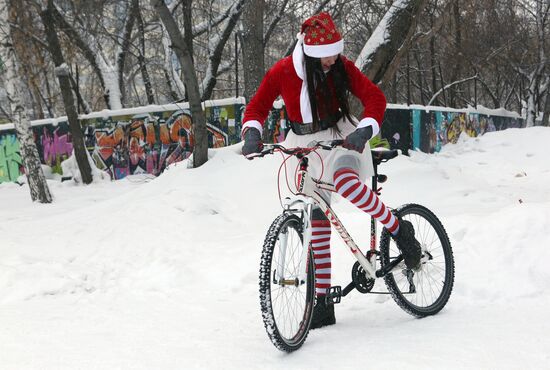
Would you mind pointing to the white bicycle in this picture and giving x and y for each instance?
(287, 275)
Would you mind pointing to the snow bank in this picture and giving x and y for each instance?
(70, 169)
(163, 274)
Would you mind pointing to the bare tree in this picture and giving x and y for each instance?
(93, 50)
(180, 47)
(141, 54)
(217, 45)
(390, 40)
(35, 176)
(253, 46)
(540, 11)
(63, 74)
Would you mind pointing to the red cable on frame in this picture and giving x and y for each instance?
(285, 159)
(279, 178)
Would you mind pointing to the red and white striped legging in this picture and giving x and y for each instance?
(320, 243)
(349, 186)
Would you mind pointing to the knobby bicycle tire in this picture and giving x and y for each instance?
(413, 303)
(273, 323)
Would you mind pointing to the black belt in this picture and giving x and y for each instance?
(307, 128)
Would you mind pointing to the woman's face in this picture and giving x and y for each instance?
(327, 62)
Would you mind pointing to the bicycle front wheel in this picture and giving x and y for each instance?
(425, 291)
(286, 295)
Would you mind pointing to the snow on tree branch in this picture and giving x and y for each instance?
(381, 34)
(446, 87)
(206, 25)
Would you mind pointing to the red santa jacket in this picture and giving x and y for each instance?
(283, 79)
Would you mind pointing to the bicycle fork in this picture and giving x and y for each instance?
(303, 208)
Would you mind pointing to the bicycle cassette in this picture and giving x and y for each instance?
(362, 283)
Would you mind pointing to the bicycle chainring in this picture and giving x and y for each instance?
(363, 284)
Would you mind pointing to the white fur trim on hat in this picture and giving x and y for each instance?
(322, 51)
(369, 121)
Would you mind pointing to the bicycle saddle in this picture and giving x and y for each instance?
(379, 156)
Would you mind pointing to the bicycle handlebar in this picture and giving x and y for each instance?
(271, 148)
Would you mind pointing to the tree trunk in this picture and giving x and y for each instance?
(141, 57)
(121, 57)
(380, 56)
(175, 84)
(63, 75)
(38, 185)
(79, 98)
(458, 52)
(532, 100)
(433, 58)
(253, 46)
(89, 45)
(179, 45)
(215, 55)
(391, 39)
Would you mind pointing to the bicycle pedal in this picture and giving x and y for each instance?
(333, 295)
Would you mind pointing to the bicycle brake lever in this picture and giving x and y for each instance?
(330, 144)
(263, 153)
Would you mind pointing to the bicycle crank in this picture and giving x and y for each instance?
(362, 283)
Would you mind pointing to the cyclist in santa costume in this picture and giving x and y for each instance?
(314, 83)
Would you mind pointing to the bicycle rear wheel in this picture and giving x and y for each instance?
(432, 283)
(286, 298)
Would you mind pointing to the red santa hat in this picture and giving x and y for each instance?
(321, 38)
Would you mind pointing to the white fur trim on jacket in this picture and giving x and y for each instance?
(369, 121)
(256, 124)
(300, 68)
(322, 51)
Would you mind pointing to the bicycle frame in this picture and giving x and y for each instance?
(303, 203)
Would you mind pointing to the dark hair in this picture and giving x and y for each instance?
(318, 80)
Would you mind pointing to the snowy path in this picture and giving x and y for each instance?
(163, 275)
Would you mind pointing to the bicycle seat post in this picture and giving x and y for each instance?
(375, 177)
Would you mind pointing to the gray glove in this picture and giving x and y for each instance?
(252, 142)
(358, 138)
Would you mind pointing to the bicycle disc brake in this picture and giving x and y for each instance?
(362, 283)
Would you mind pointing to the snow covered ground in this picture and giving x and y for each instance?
(162, 274)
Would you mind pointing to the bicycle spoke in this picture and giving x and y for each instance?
(290, 303)
(433, 280)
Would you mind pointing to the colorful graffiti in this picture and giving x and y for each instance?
(149, 142)
(433, 129)
(227, 121)
(55, 145)
(420, 129)
(11, 164)
(127, 144)
(276, 125)
(146, 143)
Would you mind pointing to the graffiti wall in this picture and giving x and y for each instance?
(11, 165)
(416, 128)
(433, 129)
(126, 142)
(396, 129)
(145, 143)
(148, 139)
